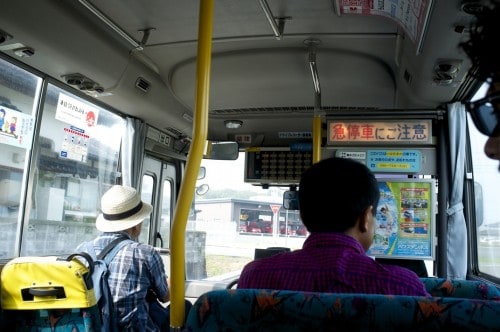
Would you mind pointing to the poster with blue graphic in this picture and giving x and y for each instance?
(404, 226)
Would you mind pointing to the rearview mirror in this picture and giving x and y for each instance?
(202, 190)
(291, 200)
(221, 150)
(202, 172)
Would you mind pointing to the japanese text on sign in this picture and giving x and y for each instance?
(76, 113)
(394, 161)
(387, 132)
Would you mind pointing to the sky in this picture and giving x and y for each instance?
(226, 173)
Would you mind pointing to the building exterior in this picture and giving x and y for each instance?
(250, 216)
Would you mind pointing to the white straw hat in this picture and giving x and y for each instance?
(122, 209)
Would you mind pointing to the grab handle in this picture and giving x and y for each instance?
(58, 292)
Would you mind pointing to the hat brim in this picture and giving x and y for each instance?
(105, 225)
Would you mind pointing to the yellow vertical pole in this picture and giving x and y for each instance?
(186, 193)
(316, 138)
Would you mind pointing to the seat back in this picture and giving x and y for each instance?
(42, 320)
(268, 252)
(470, 289)
(416, 265)
(47, 294)
(275, 310)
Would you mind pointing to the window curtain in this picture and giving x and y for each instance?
(133, 152)
(456, 230)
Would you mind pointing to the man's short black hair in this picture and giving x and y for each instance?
(334, 193)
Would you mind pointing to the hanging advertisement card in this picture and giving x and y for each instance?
(405, 219)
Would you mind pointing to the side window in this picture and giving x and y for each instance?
(147, 189)
(487, 178)
(160, 196)
(166, 213)
(76, 160)
(19, 94)
(157, 189)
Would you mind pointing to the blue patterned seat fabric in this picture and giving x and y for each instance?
(470, 289)
(456, 305)
(53, 320)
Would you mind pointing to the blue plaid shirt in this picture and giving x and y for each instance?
(135, 268)
(330, 262)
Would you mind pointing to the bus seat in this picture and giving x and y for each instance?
(416, 265)
(268, 252)
(471, 289)
(45, 293)
(74, 319)
(282, 310)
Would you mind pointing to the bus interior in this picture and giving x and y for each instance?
(213, 109)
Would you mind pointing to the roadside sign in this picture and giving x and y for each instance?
(275, 208)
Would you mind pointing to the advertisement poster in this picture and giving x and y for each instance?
(16, 128)
(76, 113)
(75, 144)
(411, 15)
(404, 219)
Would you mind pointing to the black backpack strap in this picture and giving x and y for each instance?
(110, 246)
(90, 263)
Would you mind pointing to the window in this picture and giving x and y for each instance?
(76, 161)
(19, 94)
(487, 176)
(148, 183)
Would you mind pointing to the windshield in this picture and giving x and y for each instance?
(234, 219)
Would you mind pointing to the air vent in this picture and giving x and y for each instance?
(142, 84)
(4, 36)
(174, 132)
(83, 83)
(446, 70)
(24, 52)
(472, 7)
(264, 110)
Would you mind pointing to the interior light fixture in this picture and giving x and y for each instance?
(233, 124)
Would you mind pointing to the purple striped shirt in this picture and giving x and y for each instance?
(330, 262)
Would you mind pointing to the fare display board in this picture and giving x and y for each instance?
(405, 219)
(276, 166)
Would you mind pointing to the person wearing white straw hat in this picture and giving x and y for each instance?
(137, 270)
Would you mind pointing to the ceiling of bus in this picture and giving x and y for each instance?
(362, 61)
(245, 51)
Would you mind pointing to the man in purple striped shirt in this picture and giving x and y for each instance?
(338, 199)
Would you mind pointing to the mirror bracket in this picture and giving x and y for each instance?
(291, 198)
